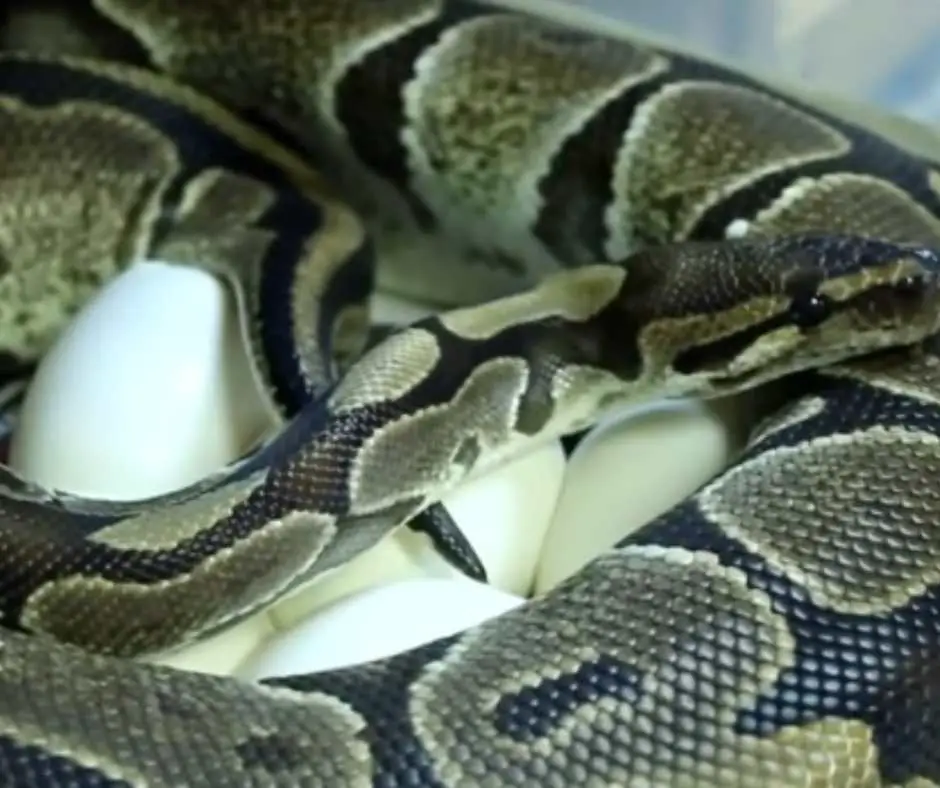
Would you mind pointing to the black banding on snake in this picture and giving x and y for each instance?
(787, 609)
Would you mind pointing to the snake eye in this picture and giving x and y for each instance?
(909, 285)
(810, 310)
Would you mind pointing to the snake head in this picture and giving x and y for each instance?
(716, 317)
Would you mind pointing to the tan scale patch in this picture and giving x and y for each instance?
(414, 455)
(328, 250)
(848, 517)
(491, 104)
(692, 144)
(848, 203)
(907, 373)
(78, 170)
(933, 180)
(804, 410)
(129, 619)
(266, 48)
(701, 645)
(349, 335)
(388, 371)
(572, 295)
(159, 728)
(220, 198)
(822, 753)
(165, 526)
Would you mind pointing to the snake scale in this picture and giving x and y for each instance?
(603, 220)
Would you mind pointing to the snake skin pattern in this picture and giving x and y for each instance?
(603, 220)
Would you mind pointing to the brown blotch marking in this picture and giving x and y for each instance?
(100, 712)
(573, 296)
(694, 143)
(259, 55)
(129, 619)
(168, 524)
(415, 452)
(582, 394)
(536, 408)
(848, 517)
(388, 371)
(850, 204)
(468, 452)
(702, 647)
(569, 388)
(273, 753)
(75, 170)
(492, 103)
(909, 372)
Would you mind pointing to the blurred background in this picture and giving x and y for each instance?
(883, 52)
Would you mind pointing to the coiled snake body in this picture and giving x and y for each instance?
(636, 223)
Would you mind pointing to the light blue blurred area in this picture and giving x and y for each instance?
(882, 51)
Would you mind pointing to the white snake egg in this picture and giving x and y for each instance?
(147, 390)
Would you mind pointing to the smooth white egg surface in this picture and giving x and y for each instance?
(626, 472)
(395, 310)
(379, 622)
(222, 654)
(147, 390)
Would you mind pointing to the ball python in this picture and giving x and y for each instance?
(602, 219)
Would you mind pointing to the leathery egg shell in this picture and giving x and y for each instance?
(379, 622)
(146, 391)
(632, 469)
